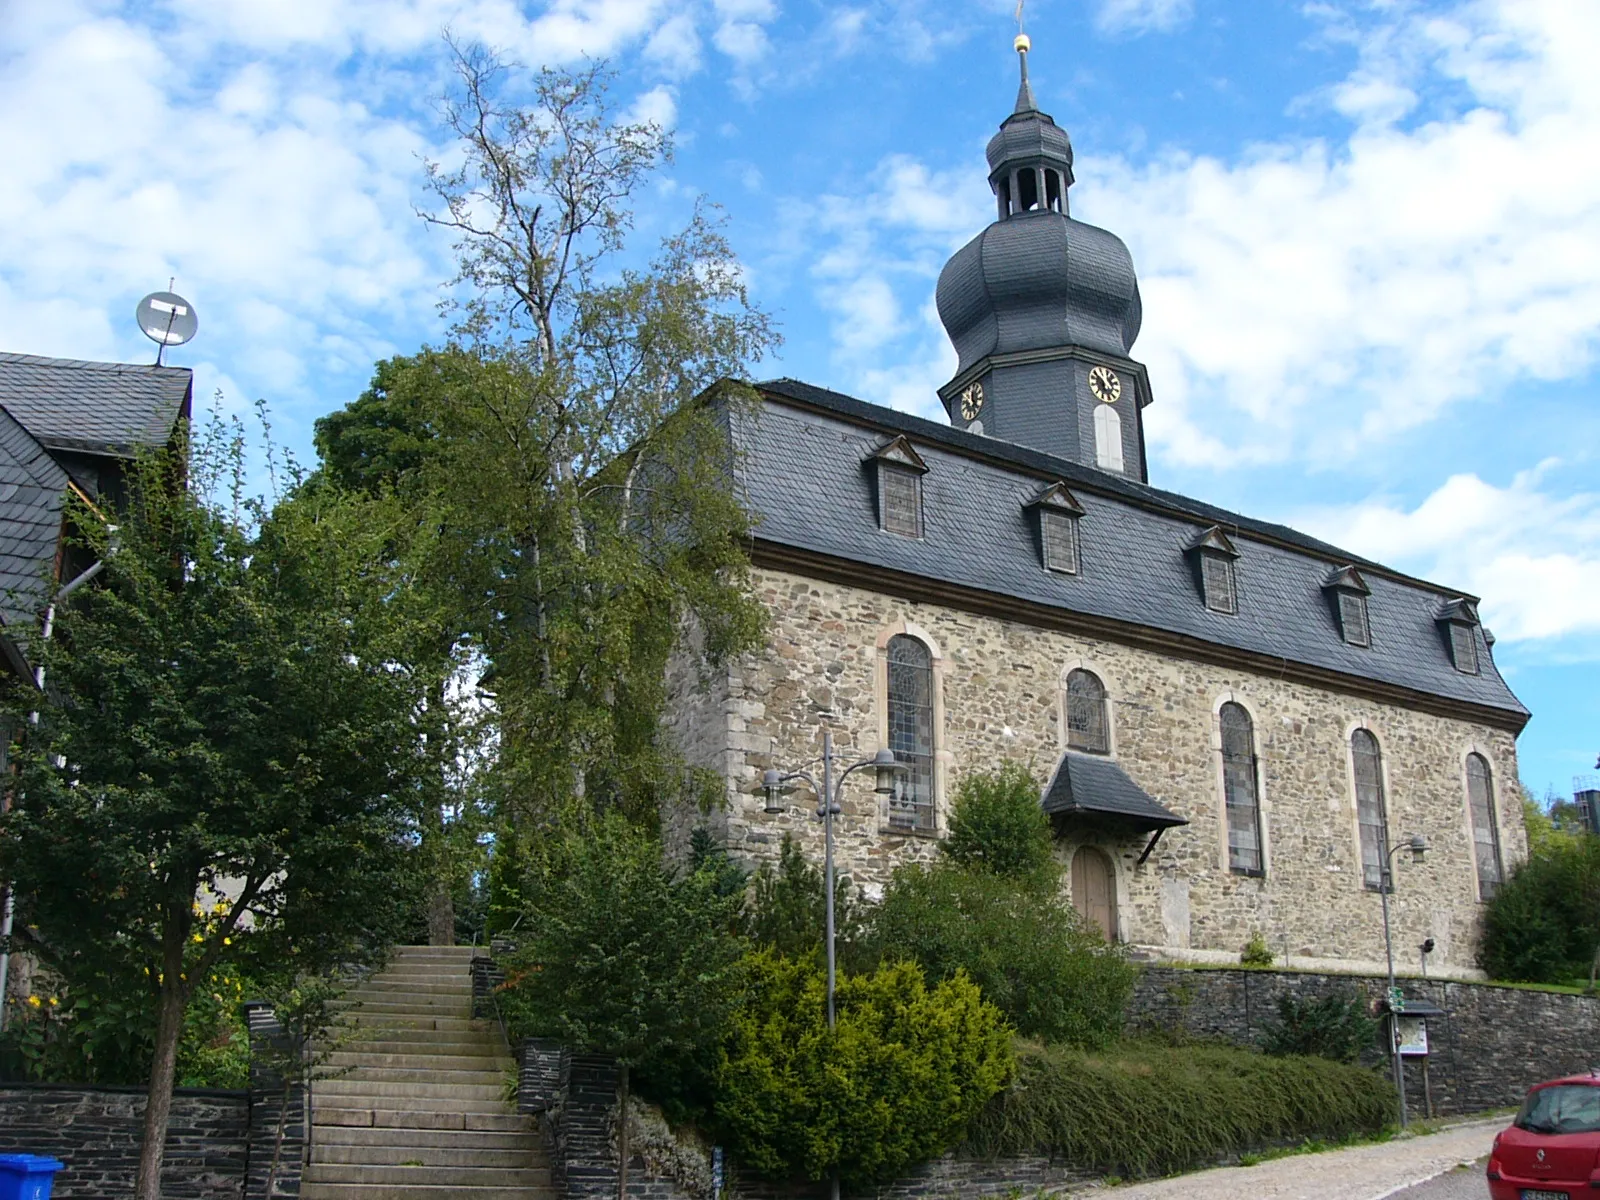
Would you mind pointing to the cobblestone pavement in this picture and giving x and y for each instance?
(1388, 1171)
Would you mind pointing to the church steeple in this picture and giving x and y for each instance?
(1043, 310)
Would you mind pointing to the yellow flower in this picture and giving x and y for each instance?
(198, 939)
(34, 1001)
(227, 941)
(54, 1001)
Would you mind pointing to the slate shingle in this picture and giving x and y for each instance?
(103, 408)
(1085, 785)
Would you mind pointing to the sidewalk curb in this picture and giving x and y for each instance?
(1395, 1191)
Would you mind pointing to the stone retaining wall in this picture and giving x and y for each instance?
(1493, 1043)
(95, 1131)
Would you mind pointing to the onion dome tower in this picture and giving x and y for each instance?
(1043, 310)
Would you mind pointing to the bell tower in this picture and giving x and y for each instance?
(1043, 310)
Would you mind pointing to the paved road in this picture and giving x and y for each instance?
(1390, 1171)
(1465, 1183)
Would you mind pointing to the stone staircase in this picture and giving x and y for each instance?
(422, 1114)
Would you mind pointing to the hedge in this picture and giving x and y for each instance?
(1151, 1108)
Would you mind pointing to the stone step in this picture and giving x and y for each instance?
(445, 1006)
(447, 1139)
(520, 1158)
(347, 1113)
(416, 1191)
(460, 1178)
(490, 1058)
(410, 954)
(389, 988)
(411, 1091)
(480, 1077)
(377, 1022)
(423, 1042)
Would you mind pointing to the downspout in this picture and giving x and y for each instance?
(5, 795)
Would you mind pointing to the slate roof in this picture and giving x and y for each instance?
(1092, 786)
(801, 468)
(99, 408)
(32, 489)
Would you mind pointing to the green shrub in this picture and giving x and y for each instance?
(1148, 1108)
(1543, 926)
(1256, 952)
(997, 825)
(786, 912)
(895, 1084)
(1334, 1027)
(621, 955)
(1026, 947)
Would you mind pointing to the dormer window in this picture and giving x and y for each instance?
(1213, 557)
(1347, 593)
(899, 471)
(1057, 511)
(1460, 621)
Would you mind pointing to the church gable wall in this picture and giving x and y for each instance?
(1000, 690)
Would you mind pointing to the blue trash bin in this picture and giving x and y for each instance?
(27, 1176)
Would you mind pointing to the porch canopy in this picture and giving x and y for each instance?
(1089, 789)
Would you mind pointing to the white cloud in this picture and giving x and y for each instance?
(1142, 16)
(658, 106)
(675, 47)
(743, 41)
(1532, 553)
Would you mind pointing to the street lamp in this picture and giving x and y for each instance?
(775, 784)
(1418, 846)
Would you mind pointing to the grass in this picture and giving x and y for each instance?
(1149, 1108)
(1578, 987)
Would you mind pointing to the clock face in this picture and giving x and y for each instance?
(971, 401)
(1105, 385)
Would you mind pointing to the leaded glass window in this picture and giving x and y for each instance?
(1371, 817)
(1353, 618)
(1464, 647)
(1241, 791)
(1087, 726)
(1216, 573)
(900, 500)
(1059, 535)
(1485, 830)
(910, 694)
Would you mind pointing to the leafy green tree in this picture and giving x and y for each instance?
(220, 769)
(1543, 925)
(787, 912)
(998, 825)
(895, 1084)
(622, 955)
(581, 491)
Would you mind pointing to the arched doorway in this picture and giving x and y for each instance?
(1094, 890)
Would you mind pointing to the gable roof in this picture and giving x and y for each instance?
(1085, 785)
(800, 467)
(32, 492)
(93, 407)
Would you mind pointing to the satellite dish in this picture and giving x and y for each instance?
(167, 319)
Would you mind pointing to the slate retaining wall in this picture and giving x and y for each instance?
(1493, 1043)
(95, 1131)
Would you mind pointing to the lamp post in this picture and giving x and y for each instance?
(773, 783)
(1418, 845)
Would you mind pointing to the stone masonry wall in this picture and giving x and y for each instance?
(1490, 1047)
(999, 687)
(95, 1132)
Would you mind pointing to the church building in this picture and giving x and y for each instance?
(1233, 724)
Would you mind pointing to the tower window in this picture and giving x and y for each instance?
(1059, 532)
(1217, 576)
(1088, 728)
(1027, 189)
(1485, 830)
(1052, 190)
(910, 699)
(1241, 787)
(1107, 438)
(1371, 817)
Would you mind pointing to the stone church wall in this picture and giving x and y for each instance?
(1000, 688)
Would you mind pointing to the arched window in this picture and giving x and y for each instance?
(910, 695)
(1087, 725)
(1107, 438)
(1241, 791)
(1371, 816)
(1485, 830)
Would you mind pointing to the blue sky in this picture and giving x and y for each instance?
(1368, 234)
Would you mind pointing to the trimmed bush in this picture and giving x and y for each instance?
(894, 1085)
(997, 825)
(1026, 947)
(1149, 1108)
(1334, 1027)
(1543, 926)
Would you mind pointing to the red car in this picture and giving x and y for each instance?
(1552, 1150)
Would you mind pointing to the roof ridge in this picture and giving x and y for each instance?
(80, 364)
(43, 453)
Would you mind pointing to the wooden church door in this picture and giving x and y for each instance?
(1094, 890)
